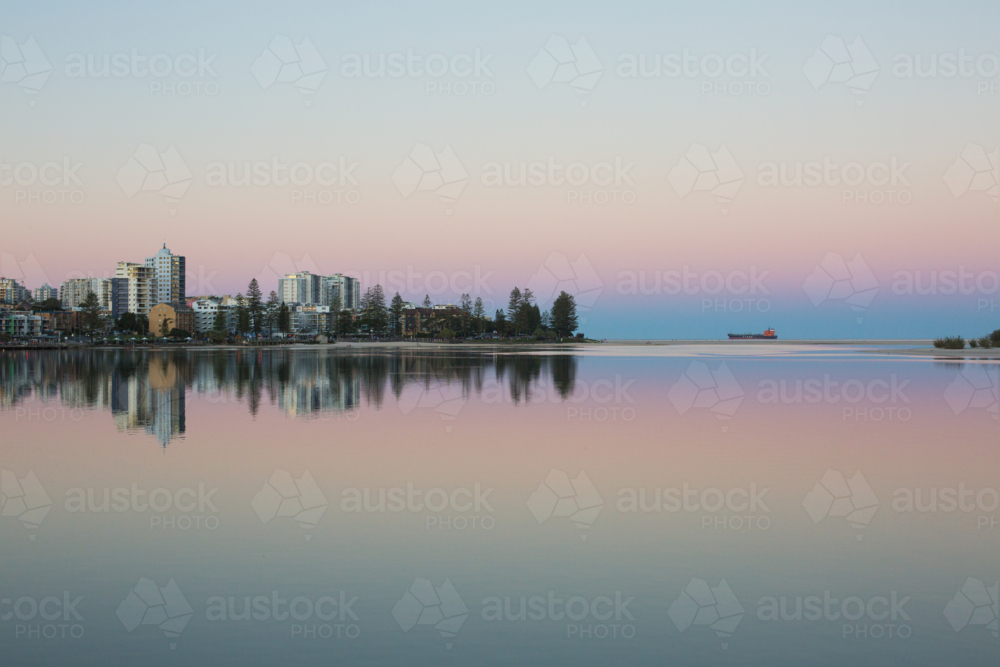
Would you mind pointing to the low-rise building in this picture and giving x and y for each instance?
(205, 311)
(23, 324)
(312, 319)
(417, 319)
(175, 317)
(64, 321)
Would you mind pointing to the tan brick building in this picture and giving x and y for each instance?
(179, 318)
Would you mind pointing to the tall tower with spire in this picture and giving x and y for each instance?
(170, 284)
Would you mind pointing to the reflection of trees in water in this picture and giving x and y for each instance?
(143, 384)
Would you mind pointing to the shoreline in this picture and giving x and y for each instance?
(921, 348)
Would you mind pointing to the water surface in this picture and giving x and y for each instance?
(596, 505)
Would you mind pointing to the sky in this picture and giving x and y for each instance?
(659, 145)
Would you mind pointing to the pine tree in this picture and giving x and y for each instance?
(242, 315)
(427, 301)
(92, 316)
(271, 312)
(514, 307)
(255, 307)
(396, 315)
(564, 318)
(466, 308)
(479, 314)
(284, 318)
(220, 327)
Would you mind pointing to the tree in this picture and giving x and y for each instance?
(178, 333)
(500, 320)
(479, 314)
(127, 322)
(93, 318)
(466, 308)
(284, 318)
(396, 314)
(447, 333)
(242, 315)
(374, 313)
(345, 322)
(524, 317)
(165, 326)
(545, 320)
(564, 319)
(47, 305)
(255, 307)
(220, 328)
(271, 312)
(514, 307)
(427, 301)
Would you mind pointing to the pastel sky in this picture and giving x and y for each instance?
(830, 87)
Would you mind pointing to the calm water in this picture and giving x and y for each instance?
(648, 505)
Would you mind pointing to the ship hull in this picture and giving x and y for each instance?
(751, 337)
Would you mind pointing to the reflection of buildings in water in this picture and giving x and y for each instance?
(147, 390)
(305, 398)
(151, 399)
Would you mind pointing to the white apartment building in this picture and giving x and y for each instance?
(73, 291)
(141, 286)
(205, 311)
(302, 288)
(347, 288)
(45, 292)
(170, 280)
(12, 292)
